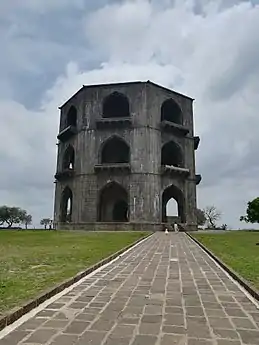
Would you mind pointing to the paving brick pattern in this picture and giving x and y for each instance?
(165, 291)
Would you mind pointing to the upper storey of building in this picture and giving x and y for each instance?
(126, 105)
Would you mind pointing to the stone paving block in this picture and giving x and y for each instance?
(31, 324)
(46, 313)
(174, 329)
(212, 305)
(235, 312)
(129, 320)
(77, 305)
(226, 298)
(198, 329)
(14, 337)
(149, 328)
(64, 315)
(225, 333)
(215, 313)
(220, 322)
(243, 323)
(153, 310)
(249, 337)
(228, 342)
(102, 325)
(76, 327)
(151, 319)
(174, 310)
(173, 339)
(117, 341)
(195, 341)
(173, 320)
(55, 306)
(132, 311)
(65, 339)
(91, 338)
(59, 324)
(121, 331)
(145, 340)
(194, 311)
(41, 336)
(85, 317)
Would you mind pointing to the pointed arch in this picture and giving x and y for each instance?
(116, 105)
(172, 154)
(72, 116)
(66, 206)
(172, 192)
(69, 158)
(113, 203)
(115, 150)
(171, 111)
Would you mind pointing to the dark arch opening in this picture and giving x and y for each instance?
(169, 193)
(113, 204)
(69, 158)
(66, 206)
(120, 211)
(171, 111)
(115, 150)
(172, 154)
(72, 116)
(116, 105)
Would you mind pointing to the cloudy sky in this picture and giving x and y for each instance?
(208, 49)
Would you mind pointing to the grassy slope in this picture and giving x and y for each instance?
(238, 250)
(31, 261)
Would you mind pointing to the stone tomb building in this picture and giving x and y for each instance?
(124, 151)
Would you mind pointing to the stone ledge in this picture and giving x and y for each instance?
(243, 282)
(110, 226)
(17, 313)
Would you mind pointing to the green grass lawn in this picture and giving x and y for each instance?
(32, 261)
(238, 250)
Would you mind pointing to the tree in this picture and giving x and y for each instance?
(45, 222)
(27, 219)
(212, 215)
(224, 227)
(252, 212)
(201, 219)
(11, 215)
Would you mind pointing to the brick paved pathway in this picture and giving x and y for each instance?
(165, 291)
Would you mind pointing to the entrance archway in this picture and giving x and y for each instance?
(113, 204)
(66, 206)
(172, 192)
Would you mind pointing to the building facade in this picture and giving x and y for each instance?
(124, 151)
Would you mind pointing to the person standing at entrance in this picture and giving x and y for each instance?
(176, 228)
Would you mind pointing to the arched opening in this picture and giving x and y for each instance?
(169, 207)
(66, 206)
(72, 116)
(116, 105)
(171, 111)
(172, 154)
(113, 204)
(69, 158)
(115, 150)
(120, 211)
